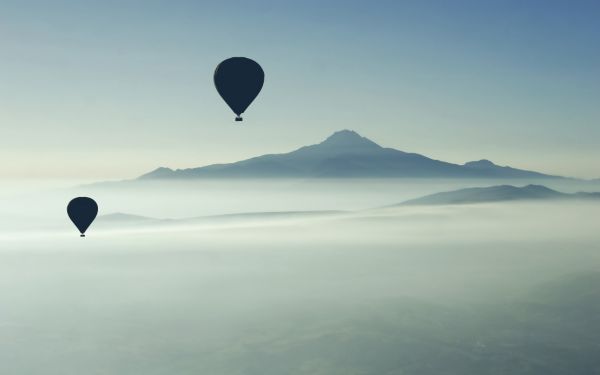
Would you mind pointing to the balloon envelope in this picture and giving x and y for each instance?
(239, 80)
(82, 212)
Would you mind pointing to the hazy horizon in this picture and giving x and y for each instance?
(61, 181)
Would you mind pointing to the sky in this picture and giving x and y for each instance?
(114, 89)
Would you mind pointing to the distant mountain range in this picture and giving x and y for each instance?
(345, 154)
(500, 193)
(497, 194)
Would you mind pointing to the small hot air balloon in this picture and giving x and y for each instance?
(82, 212)
(239, 80)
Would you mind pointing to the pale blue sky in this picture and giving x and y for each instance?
(112, 89)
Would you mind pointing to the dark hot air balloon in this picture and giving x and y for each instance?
(239, 80)
(82, 212)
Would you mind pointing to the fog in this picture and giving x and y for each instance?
(360, 289)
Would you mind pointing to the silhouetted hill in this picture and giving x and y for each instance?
(118, 220)
(497, 194)
(493, 170)
(345, 154)
(123, 217)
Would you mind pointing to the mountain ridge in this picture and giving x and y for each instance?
(498, 193)
(345, 153)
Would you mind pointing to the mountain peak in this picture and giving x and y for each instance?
(348, 138)
(160, 172)
(483, 163)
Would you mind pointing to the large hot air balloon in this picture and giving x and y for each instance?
(82, 212)
(238, 81)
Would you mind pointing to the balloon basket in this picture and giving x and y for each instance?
(82, 235)
(238, 118)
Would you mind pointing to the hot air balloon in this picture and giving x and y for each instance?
(82, 212)
(239, 80)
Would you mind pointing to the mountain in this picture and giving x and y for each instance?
(497, 194)
(344, 154)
